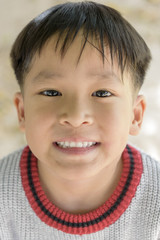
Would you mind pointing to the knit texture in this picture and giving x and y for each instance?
(132, 212)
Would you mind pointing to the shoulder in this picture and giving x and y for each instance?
(151, 167)
(12, 197)
(10, 160)
(144, 210)
(151, 170)
(10, 177)
(10, 170)
(150, 184)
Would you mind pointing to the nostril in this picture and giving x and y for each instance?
(75, 122)
(85, 122)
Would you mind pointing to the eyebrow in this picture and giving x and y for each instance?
(46, 75)
(102, 75)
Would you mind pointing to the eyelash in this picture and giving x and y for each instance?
(53, 93)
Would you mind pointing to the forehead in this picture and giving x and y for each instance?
(76, 53)
(50, 62)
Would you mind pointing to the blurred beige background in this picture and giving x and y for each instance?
(144, 15)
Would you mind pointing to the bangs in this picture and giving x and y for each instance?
(99, 28)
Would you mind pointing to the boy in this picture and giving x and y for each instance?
(80, 67)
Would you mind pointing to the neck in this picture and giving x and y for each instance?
(82, 195)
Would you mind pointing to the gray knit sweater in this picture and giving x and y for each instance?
(131, 213)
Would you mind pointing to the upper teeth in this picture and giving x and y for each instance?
(76, 144)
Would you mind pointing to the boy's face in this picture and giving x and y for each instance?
(77, 112)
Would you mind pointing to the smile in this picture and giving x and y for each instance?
(75, 144)
(76, 148)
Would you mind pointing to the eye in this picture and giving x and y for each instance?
(102, 93)
(50, 93)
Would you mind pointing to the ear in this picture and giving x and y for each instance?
(19, 104)
(138, 112)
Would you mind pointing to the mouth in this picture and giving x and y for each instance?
(76, 147)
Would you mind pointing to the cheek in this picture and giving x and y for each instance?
(39, 121)
(40, 111)
(115, 121)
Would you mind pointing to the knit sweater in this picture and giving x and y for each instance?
(131, 213)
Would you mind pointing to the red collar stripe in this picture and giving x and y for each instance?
(90, 222)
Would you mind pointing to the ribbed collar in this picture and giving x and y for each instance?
(92, 221)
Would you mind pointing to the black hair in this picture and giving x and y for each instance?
(99, 22)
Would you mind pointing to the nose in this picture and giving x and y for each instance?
(76, 113)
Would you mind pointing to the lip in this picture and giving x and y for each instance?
(75, 150)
